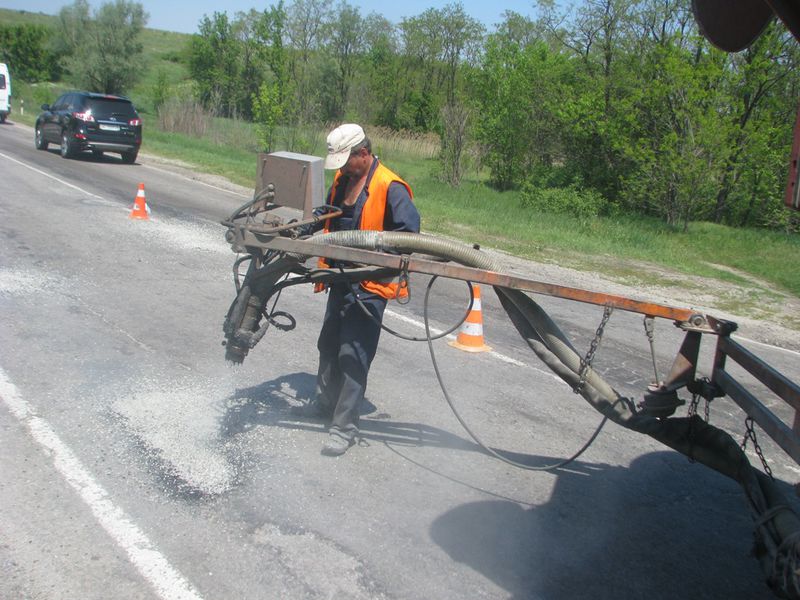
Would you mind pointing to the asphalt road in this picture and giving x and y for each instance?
(136, 463)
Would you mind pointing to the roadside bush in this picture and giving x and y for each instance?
(581, 203)
(160, 90)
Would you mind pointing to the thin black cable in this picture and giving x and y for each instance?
(475, 438)
(410, 338)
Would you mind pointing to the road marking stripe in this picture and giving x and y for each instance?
(53, 177)
(492, 353)
(154, 567)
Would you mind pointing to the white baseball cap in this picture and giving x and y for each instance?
(340, 143)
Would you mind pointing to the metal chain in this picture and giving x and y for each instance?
(649, 329)
(694, 404)
(586, 362)
(404, 281)
(750, 434)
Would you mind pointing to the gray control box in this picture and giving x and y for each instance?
(298, 180)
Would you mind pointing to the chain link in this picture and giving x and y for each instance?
(586, 363)
(695, 403)
(649, 329)
(750, 434)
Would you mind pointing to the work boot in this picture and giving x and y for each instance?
(336, 445)
(312, 410)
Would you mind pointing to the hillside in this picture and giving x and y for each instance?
(163, 52)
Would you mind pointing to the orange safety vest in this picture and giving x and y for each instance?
(372, 214)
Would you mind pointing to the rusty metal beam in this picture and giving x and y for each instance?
(768, 421)
(453, 271)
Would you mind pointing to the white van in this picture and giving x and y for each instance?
(5, 92)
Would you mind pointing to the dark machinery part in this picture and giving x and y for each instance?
(732, 25)
(243, 326)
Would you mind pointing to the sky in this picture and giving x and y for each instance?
(184, 15)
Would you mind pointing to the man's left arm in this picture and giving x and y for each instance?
(401, 214)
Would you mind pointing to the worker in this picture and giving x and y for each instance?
(371, 197)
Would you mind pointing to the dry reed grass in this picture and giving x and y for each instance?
(183, 115)
(388, 141)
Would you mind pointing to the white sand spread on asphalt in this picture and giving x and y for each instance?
(180, 426)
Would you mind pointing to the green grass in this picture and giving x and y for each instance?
(23, 17)
(236, 164)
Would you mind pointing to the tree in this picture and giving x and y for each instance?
(214, 63)
(422, 72)
(267, 113)
(454, 137)
(381, 71)
(305, 20)
(345, 40)
(104, 52)
(758, 75)
(25, 47)
(520, 94)
(675, 143)
(461, 37)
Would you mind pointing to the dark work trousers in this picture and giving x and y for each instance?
(347, 345)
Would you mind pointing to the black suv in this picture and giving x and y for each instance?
(80, 121)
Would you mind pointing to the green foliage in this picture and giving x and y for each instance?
(519, 92)
(572, 200)
(267, 113)
(213, 63)
(104, 53)
(230, 60)
(25, 48)
(161, 90)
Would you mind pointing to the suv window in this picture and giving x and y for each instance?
(71, 102)
(105, 108)
(58, 104)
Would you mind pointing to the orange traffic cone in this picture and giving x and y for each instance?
(140, 209)
(470, 337)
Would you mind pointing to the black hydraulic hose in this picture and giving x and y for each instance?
(472, 434)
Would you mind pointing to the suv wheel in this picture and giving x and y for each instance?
(38, 139)
(66, 145)
(129, 157)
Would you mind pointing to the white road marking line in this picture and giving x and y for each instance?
(53, 177)
(168, 583)
(211, 185)
(795, 352)
(492, 353)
